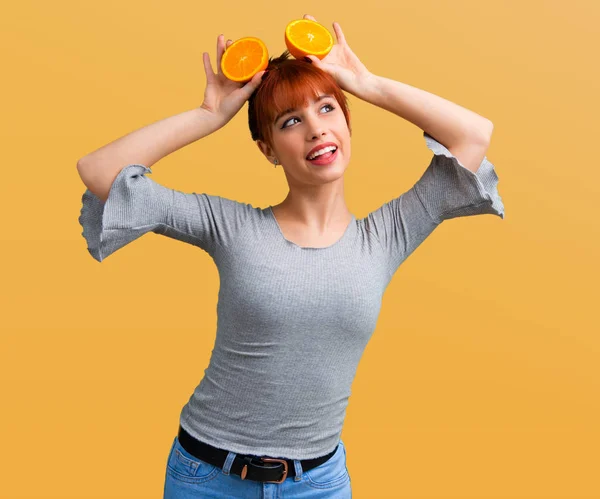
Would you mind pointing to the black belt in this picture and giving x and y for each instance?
(248, 467)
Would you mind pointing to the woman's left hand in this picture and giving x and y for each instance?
(350, 74)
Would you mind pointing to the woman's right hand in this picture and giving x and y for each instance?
(223, 97)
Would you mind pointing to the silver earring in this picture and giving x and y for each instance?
(276, 162)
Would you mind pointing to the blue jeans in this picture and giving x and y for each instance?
(188, 477)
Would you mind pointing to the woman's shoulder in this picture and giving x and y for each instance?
(229, 211)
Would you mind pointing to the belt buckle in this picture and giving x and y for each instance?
(285, 468)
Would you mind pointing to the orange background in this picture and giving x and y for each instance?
(482, 378)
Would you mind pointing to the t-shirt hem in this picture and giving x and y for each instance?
(278, 452)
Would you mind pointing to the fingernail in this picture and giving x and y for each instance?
(307, 59)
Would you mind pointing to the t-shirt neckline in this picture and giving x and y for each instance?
(336, 243)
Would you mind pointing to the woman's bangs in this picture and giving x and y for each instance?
(296, 94)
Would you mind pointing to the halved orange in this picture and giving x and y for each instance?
(306, 37)
(244, 58)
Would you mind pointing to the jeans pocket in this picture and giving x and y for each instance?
(331, 473)
(183, 466)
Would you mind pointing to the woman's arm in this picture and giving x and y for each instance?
(145, 146)
(465, 133)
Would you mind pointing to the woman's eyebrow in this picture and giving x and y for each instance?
(283, 113)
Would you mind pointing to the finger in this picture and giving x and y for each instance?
(339, 34)
(307, 16)
(315, 61)
(250, 86)
(220, 50)
(207, 67)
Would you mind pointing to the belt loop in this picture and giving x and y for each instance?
(298, 469)
(228, 462)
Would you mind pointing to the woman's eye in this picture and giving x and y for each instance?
(294, 118)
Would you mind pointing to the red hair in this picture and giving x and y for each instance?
(290, 83)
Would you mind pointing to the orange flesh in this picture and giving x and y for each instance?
(309, 38)
(244, 59)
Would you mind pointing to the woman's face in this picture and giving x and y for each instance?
(296, 133)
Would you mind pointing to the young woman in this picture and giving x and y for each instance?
(301, 282)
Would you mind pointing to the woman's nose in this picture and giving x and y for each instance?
(315, 127)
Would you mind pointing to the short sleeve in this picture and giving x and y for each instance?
(449, 190)
(400, 226)
(446, 190)
(137, 205)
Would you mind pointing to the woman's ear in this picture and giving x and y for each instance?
(261, 146)
(264, 148)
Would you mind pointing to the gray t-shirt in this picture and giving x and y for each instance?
(292, 321)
